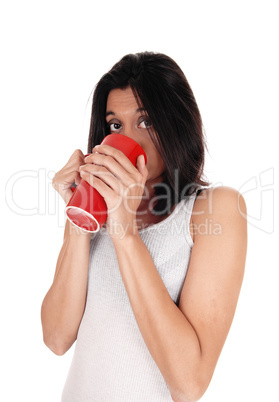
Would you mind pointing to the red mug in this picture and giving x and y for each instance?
(87, 209)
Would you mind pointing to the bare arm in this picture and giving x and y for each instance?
(64, 303)
(186, 341)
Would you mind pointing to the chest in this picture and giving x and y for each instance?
(168, 249)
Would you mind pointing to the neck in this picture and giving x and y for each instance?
(149, 198)
(145, 216)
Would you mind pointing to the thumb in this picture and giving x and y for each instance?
(141, 166)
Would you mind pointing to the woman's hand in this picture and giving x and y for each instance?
(68, 175)
(121, 184)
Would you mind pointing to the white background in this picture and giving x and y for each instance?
(52, 55)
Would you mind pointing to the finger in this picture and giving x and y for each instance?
(142, 167)
(98, 184)
(77, 178)
(103, 174)
(113, 166)
(77, 157)
(69, 176)
(116, 154)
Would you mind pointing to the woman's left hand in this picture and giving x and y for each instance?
(121, 184)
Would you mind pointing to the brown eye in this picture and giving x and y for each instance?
(145, 123)
(114, 127)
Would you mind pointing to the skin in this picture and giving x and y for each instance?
(186, 340)
(124, 117)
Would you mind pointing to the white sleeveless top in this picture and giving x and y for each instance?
(111, 361)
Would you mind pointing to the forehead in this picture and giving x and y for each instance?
(121, 99)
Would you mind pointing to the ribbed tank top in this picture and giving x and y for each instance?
(111, 362)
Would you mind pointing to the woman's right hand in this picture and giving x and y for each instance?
(69, 174)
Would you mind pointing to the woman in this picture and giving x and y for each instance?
(145, 330)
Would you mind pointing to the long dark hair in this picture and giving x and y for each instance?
(161, 88)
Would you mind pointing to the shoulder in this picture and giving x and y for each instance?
(216, 208)
(220, 198)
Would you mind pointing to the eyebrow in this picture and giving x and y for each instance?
(139, 110)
